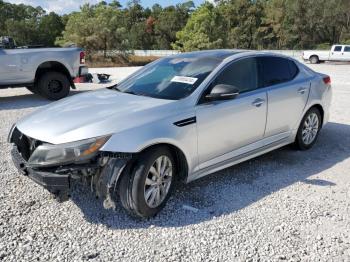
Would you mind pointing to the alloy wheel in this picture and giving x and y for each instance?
(158, 181)
(310, 129)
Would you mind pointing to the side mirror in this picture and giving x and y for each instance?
(222, 92)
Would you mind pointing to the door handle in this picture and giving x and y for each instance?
(258, 102)
(302, 90)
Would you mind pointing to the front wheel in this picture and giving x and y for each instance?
(145, 190)
(309, 129)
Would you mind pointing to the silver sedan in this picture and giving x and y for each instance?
(178, 118)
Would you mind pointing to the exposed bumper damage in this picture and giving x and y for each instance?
(105, 180)
(103, 172)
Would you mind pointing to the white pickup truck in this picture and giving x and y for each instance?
(337, 53)
(48, 72)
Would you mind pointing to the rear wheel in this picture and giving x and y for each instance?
(53, 85)
(145, 190)
(309, 129)
(314, 59)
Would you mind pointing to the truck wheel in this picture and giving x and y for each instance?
(144, 191)
(53, 85)
(314, 60)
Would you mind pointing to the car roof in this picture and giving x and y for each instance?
(227, 54)
(218, 54)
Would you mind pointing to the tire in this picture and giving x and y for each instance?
(301, 141)
(314, 59)
(53, 85)
(135, 195)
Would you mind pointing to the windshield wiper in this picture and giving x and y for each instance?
(114, 87)
(131, 92)
(134, 93)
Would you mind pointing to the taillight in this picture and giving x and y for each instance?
(327, 80)
(82, 57)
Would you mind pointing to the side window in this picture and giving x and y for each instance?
(293, 69)
(337, 48)
(347, 49)
(275, 70)
(242, 74)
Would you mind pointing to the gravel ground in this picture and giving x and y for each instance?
(286, 205)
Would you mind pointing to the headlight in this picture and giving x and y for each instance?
(48, 155)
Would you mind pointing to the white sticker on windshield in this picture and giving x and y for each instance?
(184, 79)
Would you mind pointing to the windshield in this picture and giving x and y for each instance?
(170, 78)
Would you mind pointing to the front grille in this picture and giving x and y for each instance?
(25, 144)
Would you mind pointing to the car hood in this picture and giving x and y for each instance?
(93, 114)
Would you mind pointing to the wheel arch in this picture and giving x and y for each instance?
(320, 109)
(53, 66)
(179, 157)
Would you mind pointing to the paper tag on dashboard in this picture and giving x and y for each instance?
(184, 79)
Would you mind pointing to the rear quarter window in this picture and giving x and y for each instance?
(294, 70)
(276, 70)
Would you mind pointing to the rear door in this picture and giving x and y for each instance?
(346, 53)
(287, 94)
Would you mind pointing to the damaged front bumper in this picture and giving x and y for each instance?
(104, 175)
(55, 183)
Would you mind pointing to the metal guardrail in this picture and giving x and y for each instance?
(161, 53)
(291, 53)
(158, 53)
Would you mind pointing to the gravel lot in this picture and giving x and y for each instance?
(286, 205)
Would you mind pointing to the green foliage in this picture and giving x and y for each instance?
(243, 18)
(107, 26)
(29, 25)
(323, 46)
(204, 30)
(247, 24)
(168, 22)
(95, 27)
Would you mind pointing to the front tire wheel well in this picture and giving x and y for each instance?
(179, 157)
(147, 182)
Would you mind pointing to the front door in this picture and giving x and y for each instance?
(225, 126)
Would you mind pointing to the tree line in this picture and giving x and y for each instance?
(30, 25)
(247, 24)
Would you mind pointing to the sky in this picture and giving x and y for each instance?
(67, 6)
